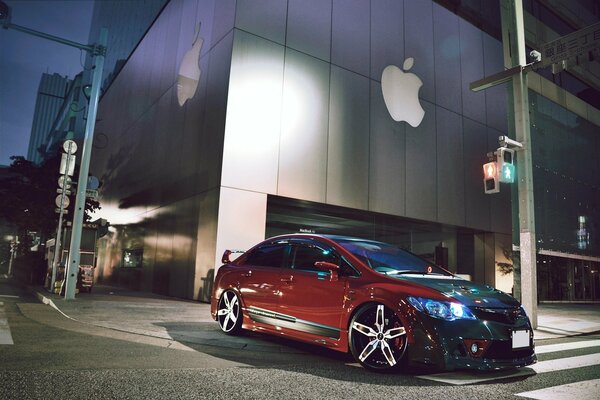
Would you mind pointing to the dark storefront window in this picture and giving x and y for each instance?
(564, 279)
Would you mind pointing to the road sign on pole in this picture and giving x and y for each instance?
(568, 47)
(79, 210)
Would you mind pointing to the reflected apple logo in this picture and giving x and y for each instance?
(189, 70)
(401, 93)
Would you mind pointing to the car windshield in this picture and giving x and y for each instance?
(388, 259)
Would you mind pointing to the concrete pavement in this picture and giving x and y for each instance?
(189, 321)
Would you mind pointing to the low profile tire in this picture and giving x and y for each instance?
(377, 338)
(229, 313)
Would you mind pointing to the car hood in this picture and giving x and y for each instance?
(466, 292)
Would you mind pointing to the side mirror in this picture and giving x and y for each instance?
(332, 268)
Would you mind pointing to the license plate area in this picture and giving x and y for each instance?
(520, 339)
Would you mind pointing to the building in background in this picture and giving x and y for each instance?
(286, 130)
(50, 98)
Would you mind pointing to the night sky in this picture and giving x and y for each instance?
(23, 59)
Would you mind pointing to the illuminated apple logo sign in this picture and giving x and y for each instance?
(401, 93)
(189, 70)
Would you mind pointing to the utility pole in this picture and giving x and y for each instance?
(513, 40)
(98, 51)
(79, 210)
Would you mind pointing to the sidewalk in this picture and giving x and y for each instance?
(189, 321)
(153, 315)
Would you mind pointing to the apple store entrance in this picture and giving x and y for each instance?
(451, 247)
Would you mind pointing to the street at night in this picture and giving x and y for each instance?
(54, 356)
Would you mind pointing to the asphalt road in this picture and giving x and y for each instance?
(54, 357)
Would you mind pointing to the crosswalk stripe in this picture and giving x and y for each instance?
(585, 390)
(467, 378)
(566, 363)
(551, 348)
(5, 336)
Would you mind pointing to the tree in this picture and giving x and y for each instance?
(27, 196)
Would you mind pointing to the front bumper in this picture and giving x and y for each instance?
(446, 344)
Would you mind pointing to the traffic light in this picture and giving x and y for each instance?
(491, 180)
(506, 166)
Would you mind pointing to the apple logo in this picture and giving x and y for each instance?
(189, 70)
(401, 93)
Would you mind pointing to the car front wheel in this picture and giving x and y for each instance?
(229, 313)
(377, 338)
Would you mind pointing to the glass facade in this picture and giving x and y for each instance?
(566, 179)
(565, 279)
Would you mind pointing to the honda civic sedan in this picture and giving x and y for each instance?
(385, 305)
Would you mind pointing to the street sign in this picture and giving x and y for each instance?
(64, 183)
(70, 147)
(91, 194)
(67, 192)
(57, 210)
(63, 164)
(64, 199)
(575, 44)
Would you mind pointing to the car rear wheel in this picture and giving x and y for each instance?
(377, 338)
(229, 313)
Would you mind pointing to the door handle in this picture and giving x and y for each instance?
(247, 274)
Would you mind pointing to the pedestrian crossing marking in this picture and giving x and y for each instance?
(5, 335)
(585, 390)
(551, 348)
(566, 363)
(467, 378)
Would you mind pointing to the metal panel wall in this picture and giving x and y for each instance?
(387, 35)
(265, 18)
(251, 148)
(350, 35)
(446, 39)
(348, 146)
(304, 127)
(471, 67)
(309, 27)
(421, 170)
(450, 167)
(418, 43)
(477, 203)
(387, 159)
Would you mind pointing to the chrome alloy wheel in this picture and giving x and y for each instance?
(377, 338)
(229, 313)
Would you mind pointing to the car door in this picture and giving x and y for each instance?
(310, 295)
(260, 280)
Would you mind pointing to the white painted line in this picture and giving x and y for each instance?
(585, 390)
(561, 364)
(551, 348)
(9, 295)
(467, 378)
(5, 336)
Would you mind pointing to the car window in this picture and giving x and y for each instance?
(270, 255)
(305, 256)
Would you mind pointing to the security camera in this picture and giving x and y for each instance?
(535, 55)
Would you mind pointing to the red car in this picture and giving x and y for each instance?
(387, 306)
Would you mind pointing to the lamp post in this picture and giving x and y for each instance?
(98, 51)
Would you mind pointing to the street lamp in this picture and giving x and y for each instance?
(98, 51)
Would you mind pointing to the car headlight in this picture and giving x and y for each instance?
(445, 310)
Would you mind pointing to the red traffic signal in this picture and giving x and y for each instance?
(491, 179)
